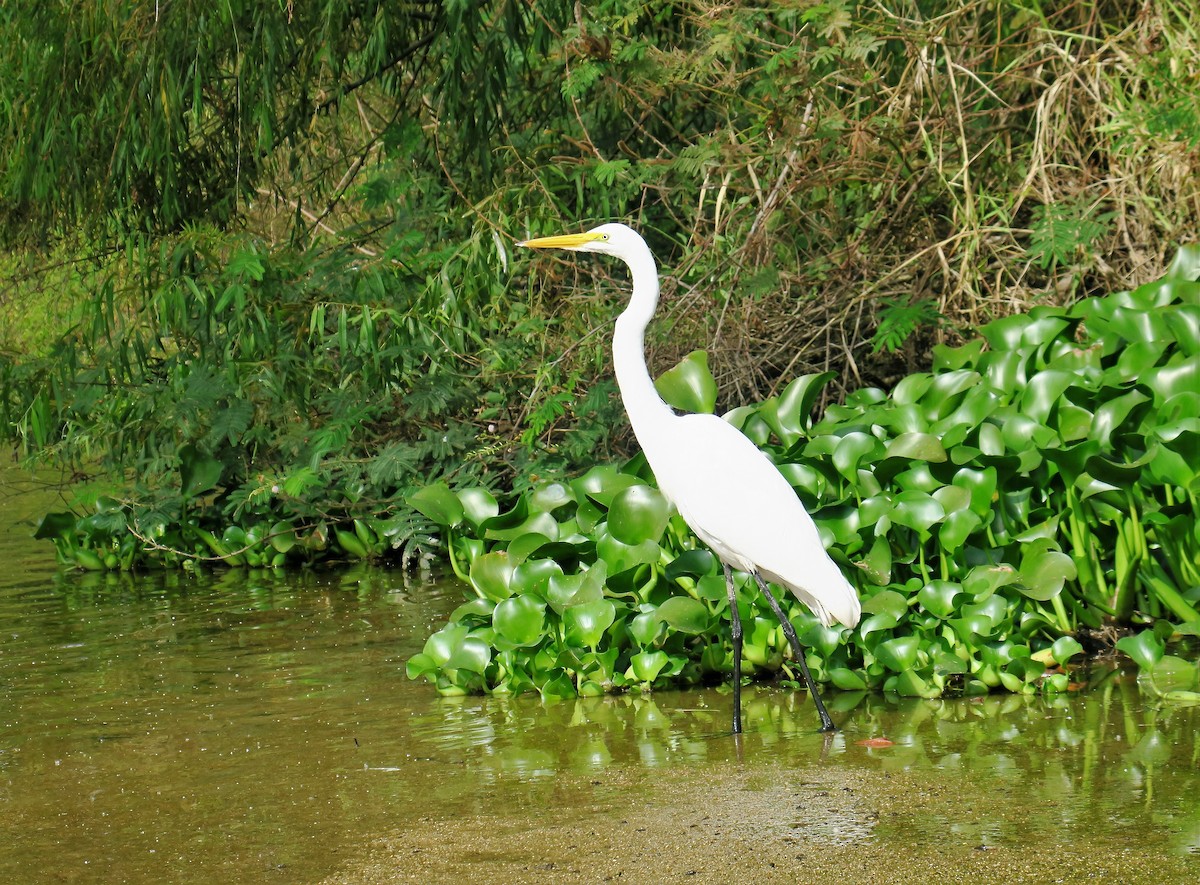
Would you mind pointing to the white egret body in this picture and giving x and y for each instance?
(723, 486)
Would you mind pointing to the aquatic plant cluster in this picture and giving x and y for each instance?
(1041, 481)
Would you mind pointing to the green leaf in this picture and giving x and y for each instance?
(564, 591)
(685, 614)
(55, 525)
(477, 505)
(851, 450)
(1065, 648)
(916, 447)
(438, 503)
(646, 665)
(957, 528)
(878, 562)
(1044, 570)
(638, 513)
(789, 414)
(491, 575)
(918, 510)
(937, 597)
(691, 563)
(619, 556)
(603, 482)
(550, 496)
(1144, 648)
(198, 472)
(520, 619)
(887, 602)
(689, 385)
(585, 624)
(899, 654)
(847, 680)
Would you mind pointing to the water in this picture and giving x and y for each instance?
(259, 728)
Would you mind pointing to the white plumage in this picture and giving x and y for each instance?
(724, 487)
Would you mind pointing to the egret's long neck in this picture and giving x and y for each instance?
(645, 407)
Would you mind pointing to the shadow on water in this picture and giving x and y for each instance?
(258, 727)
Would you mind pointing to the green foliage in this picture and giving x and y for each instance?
(814, 179)
(1067, 234)
(156, 115)
(1041, 479)
(898, 322)
(821, 174)
(262, 385)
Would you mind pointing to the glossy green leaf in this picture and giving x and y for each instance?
(472, 654)
(438, 503)
(1185, 266)
(477, 505)
(917, 447)
(937, 597)
(619, 556)
(1065, 648)
(533, 576)
(603, 482)
(477, 611)
(508, 527)
(685, 614)
(1144, 648)
(689, 385)
(888, 602)
(1180, 377)
(646, 665)
(852, 449)
(1114, 413)
(585, 624)
(917, 510)
(491, 575)
(282, 536)
(564, 591)
(691, 563)
(1044, 570)
(947, 358)
(899, 654)
(638, 513)
(646, 627)
(911, 388)
(550, 496)
(878, 562)
(957, 528)
(1043, 393)
(910, 684)
(788, 415)
(55, 525)
(520, 620)
(529, 544)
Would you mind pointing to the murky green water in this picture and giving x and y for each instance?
(258, 728)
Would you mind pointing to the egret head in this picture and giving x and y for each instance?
(610, 239)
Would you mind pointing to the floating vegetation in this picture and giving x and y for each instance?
(1039, 484)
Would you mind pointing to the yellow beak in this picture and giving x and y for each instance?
(565, 241)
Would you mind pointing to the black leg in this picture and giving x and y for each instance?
(798, 650)
(735, 633)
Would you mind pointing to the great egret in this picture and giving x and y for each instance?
(723, 486)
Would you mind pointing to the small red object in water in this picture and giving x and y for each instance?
(875, 743)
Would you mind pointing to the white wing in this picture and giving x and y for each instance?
(739, 504)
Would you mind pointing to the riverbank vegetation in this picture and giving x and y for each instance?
(258, 283)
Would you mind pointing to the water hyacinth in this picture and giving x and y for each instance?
(1042, 481)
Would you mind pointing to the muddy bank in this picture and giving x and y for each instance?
(730, 824)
